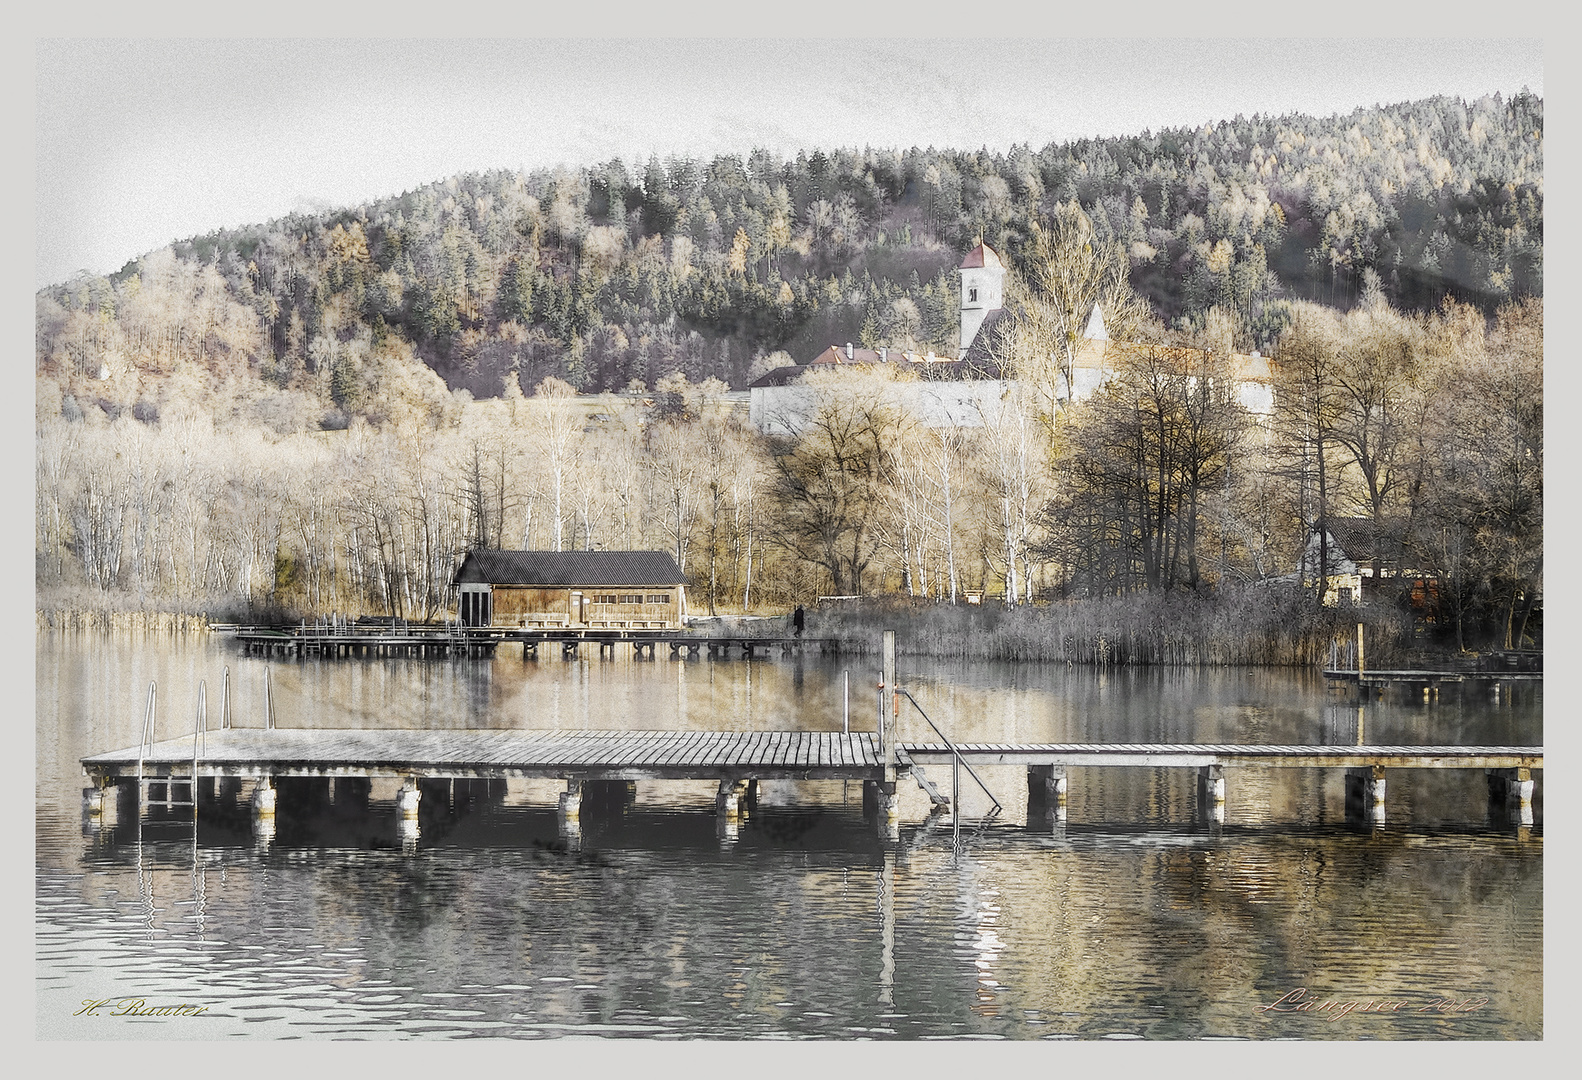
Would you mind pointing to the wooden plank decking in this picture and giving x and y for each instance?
(450, 640)
(686, 755)
(1180, 755)
(502, 754)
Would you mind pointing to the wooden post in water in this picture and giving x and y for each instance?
(1361, 691)
(955, 803)
(845, 702)
(886, 684)
(885, 789)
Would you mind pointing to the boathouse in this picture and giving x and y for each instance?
(618, 590)
(1366, 561)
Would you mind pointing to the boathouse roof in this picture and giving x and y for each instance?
(569, 568)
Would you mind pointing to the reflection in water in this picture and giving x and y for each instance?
(1128, 915)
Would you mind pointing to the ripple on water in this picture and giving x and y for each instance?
(1133, 922)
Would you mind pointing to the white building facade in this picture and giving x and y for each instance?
(966, 391)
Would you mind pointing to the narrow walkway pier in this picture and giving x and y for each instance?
(1370, 683)
(341, 639)
(737, 760)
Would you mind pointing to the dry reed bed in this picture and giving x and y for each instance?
(1260, 627)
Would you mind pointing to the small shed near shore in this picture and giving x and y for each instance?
(613, 590)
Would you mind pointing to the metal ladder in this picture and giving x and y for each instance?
(957, 764)
(171, 781)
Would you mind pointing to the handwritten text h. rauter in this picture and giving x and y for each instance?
(1297, 1001)
(131, 1006)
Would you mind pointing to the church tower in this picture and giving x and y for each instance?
(982, 291)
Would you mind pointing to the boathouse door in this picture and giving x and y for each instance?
(476, 606)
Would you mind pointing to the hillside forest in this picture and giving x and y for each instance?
(320, 412)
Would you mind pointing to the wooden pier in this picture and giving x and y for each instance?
(1370, 683)
(334, 640)
(506, 754)
(739, 759)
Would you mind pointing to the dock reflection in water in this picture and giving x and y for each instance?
(1128, 919)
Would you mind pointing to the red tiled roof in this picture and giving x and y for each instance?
(982, 255)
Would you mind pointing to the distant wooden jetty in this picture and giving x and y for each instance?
(348, 639)
(1495, 670)
(1370, 683)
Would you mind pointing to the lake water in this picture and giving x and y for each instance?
(1132, 920)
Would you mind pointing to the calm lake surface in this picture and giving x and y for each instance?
(1132, 920)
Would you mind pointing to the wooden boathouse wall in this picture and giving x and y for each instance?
(606, 590)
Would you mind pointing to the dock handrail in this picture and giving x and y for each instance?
(146, 741)
(200, 725)
(956, 754)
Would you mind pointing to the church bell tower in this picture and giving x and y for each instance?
(982, 291)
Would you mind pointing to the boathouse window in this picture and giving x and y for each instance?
(659, 598)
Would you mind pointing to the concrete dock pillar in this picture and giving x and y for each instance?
(730, 799)
(571, 801)
(408, 799)
(1511, 795)
(1211, 792)
(93, 802)
(128, 800)
(569, 826)
(1046, 785)
(1365, 793)
(263, 802)
(407, 833)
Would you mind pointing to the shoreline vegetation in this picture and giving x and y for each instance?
(1249, 627)
(1258, 627)
(324, 413)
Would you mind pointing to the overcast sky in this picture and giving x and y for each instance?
(142, 142)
